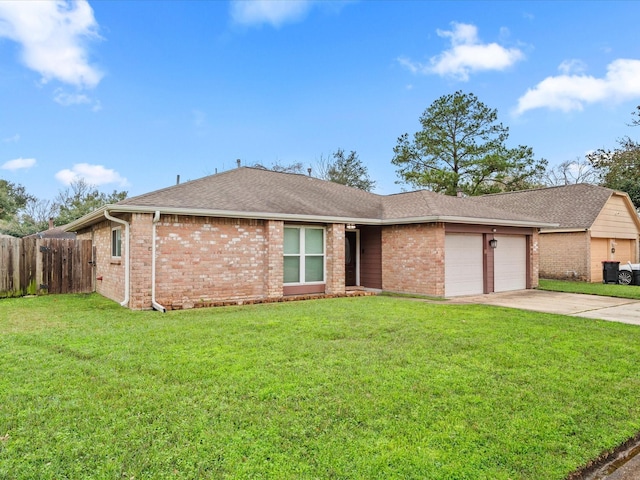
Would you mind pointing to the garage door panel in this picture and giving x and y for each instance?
(463, 272)
(510, 263)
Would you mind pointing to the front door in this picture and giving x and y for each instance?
(350, 255)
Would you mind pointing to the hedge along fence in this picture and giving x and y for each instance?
(33, 266)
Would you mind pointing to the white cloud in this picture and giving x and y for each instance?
(12, 139)
(67, 99)
(53, 35)
(91, 174)
(571, 92)
(18, 164)
(273, 12)
(466, 55)
(568, 67)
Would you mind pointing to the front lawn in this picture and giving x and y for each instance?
(607, 290)
(359, 388)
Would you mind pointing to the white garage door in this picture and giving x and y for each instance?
(510, 263)
(463, 269)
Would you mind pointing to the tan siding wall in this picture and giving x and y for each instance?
(615, 220)
(413, 259)
(564, 255)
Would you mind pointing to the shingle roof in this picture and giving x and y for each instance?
(570, 206)
(423, 203)
(257, 190)
(258, 193)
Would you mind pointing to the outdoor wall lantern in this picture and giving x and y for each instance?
(493, 243)
(350, 226)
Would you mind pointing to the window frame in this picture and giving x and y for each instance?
(302, 256)
(116, 242)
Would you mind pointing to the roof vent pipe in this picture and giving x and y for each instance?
(178, 180)
(238, 162)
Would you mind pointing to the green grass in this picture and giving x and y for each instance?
(607, 290)
(358, 388)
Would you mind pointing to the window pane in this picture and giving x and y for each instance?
(116, 243)
(313, 269)
(291, 269)
(313, 240)
(291, 240)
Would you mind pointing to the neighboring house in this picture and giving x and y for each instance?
(595, 224)
(250, 234)
(53, 232)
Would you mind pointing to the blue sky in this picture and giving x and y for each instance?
(130, 94)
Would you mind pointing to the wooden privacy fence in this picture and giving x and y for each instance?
(30, 266)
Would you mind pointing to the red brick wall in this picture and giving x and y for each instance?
(203, 260)
(274, 275)
(109, 271)
(413, 259)
(334, 260)
(141, 234)
(534, 259)
(564, 255)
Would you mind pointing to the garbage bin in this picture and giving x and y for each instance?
(636, 277)
(610, 272)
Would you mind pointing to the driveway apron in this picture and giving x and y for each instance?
(578, 305)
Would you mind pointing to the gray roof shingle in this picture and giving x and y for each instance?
(570, 206)
(255, 190)
(258, 193)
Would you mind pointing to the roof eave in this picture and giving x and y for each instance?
(98, 215)
(469, 220)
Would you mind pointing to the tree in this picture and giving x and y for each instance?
(81, 198)
(33, 217)
(346, 170)
(278, 167)
(619, 169)
(461, 147)
(571, 172)
(12, 198)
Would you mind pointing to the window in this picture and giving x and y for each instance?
(303, 255)
(116, 242)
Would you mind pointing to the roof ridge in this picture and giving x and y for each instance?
(539, 189)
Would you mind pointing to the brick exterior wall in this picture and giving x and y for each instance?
(413, 259)
(274, 276)
(534, 259)
(141, 235)
(109, 271)
(564, 256)
(334, 259)
(202, 260)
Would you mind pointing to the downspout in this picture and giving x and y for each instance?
(125, 302)
(154, 304)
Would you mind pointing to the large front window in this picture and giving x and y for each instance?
(303, 255)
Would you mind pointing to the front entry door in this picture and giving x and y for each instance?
(350, 254)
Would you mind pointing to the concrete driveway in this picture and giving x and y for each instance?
(574, 304)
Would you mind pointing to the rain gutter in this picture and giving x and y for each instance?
(127, 272)
(154, 303)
